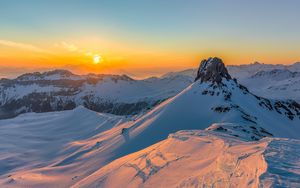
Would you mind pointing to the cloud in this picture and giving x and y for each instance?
(89, 54)
(70, 47)
(13, 72)
(73, 48)
(22, 46)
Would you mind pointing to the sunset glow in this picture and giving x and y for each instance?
(97, 59)
(34, 36)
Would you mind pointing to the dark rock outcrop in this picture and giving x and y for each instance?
(212, 69)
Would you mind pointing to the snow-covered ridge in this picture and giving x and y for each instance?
(50, 75)
(203, 159)
(247, 70)
(62, 90)
(278, 74)
(66, 75)
(275, 83)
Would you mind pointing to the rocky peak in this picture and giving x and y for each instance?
(61, 72)
(52, 75)
(212, 69)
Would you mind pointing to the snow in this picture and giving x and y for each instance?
(35, 139)
(283, 159)
(191, 110)
(270, 81)
(82, 148)
(202, 159)
(103, 88)
(20, 91)
(189, 73)
(208, 135)
(135, 91)
(275, 84)
(50, 75)
(266, 80)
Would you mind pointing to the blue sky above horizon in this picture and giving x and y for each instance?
(144, 36)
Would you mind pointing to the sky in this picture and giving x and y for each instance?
(144, 38)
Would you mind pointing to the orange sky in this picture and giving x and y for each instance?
(144, 38)
(137, 60)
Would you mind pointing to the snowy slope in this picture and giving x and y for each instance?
(33, 137)
(204, 103)
(48, 142)
(222, 155)
(210, 158)
(194, 109)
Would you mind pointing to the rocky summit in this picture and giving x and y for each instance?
(212, 69)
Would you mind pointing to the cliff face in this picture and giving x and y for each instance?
(212, 70)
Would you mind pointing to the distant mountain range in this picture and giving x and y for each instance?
(62, 90)
(121, 95)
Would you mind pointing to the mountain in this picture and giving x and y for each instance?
(62, 90)
(209, 100)
(189, 73)
(266, 80)
(121, 95)
(275, 83)
(247, 70)
(214, 132)
(271, 81)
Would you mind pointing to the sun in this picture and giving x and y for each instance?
(97, 59)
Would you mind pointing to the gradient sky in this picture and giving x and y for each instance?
(144, 37)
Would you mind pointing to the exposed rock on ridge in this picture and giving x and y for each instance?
(212, 70)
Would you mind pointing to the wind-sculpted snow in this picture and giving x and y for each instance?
(283, 159)
(203, 159)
